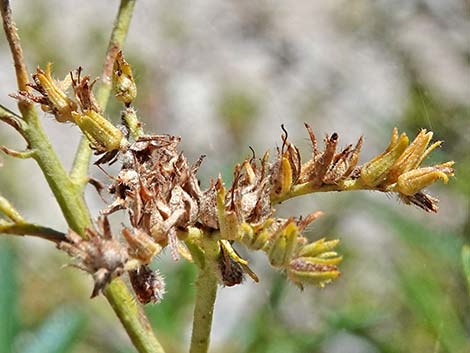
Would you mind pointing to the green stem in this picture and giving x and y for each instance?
(10, 211)
(129, 117)
(132, 317)
(68, 194)
(79, 170)
(206, 292)
(308, 188)
(34, 230)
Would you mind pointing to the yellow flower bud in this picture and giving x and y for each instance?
(228, 220)
(318, 247)
(256, 237)
(413, 181)
(123, 80)
(102, 135)
(283, 246)
(283, 182)
(58, 103)
(412, 156)
(375, 172)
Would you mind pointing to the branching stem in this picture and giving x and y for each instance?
(79, 170)
(69, 194)
(206, 292)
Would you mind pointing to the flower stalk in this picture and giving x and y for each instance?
(206, 292)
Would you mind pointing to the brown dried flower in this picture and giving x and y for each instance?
(100, 254)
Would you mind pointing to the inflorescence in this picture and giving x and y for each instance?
(159, 190)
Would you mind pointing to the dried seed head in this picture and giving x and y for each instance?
(148, 285)
(231, 266)
(83, 89)
(141, 246)
(231, 272)
(101, 255)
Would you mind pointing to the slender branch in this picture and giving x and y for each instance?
(71, 203)
(17, 154)
(68, 195)
(132, 317)
(118, 35)
(9, 27)
(19, 226)
(31, 229)
(206, 292)
(15, 121)
(10, 211)
(308, 188)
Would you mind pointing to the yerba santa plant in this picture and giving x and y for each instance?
(158, 190)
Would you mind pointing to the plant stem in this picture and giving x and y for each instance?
(10, 211)
(129, 117)
(307, 188)
(206, 292)
(34, 230)
(132, 317)
(68, 194)
(118, 35)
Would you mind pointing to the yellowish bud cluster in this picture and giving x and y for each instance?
(397, 168)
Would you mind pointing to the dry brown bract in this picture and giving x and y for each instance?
(100, 254)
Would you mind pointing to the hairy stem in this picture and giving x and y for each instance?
(79, 170)
(206, 292)
(130, 119)
(68, 194)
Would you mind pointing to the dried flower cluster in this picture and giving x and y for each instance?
(160, 191)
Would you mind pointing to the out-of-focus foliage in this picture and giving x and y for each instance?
(56, 333)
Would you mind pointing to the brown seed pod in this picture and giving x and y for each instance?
(148, 285)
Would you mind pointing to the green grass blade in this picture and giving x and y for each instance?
(466, 263)
(8, 297)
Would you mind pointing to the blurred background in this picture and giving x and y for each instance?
(225, 75)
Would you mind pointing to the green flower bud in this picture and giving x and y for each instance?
(283, 246)
(102, 135)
